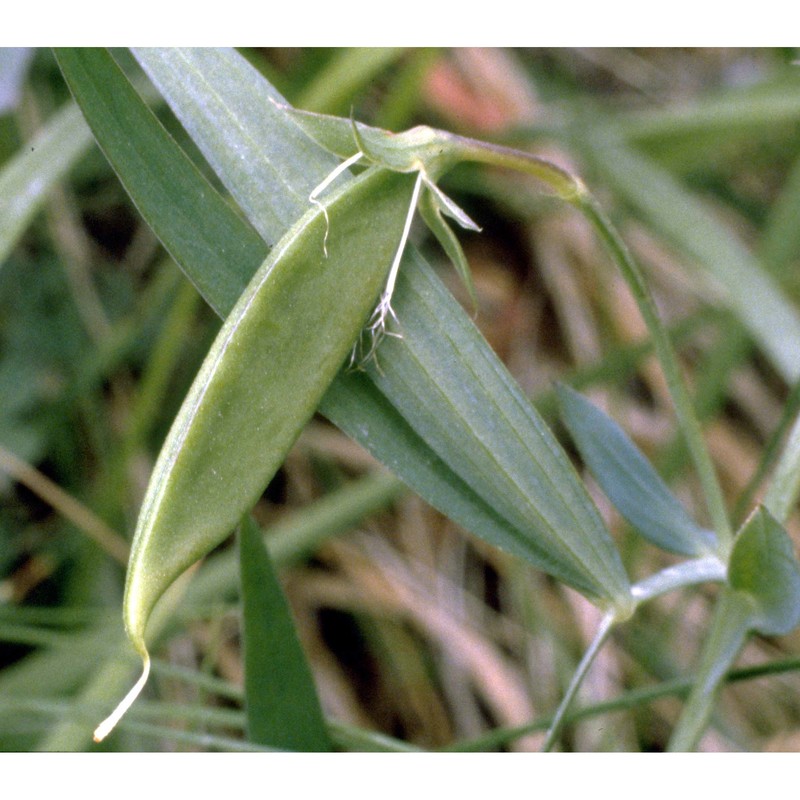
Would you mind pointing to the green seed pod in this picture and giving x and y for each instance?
(263, 378)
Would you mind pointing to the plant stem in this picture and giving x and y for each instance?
(726, 638)
(669, 362)
(680, 687)
(580, 673)
(359, 740)
(564, 184)
(687, 573)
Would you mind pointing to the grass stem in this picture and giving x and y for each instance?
(577, 679)
(684, 409)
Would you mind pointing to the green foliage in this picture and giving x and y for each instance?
(327, 307)
(762, 595)
(282, 707)
(764, 569)
(629, 480)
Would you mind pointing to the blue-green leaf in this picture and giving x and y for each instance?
(629, 480)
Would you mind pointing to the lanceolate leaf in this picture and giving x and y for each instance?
(455, 393)
(281, 702)
(576, 547)
(629, 480)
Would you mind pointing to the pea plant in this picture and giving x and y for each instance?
(328, 307)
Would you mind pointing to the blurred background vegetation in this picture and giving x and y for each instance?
(413, 629)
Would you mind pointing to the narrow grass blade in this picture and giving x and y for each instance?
(729, 115)
(187, 214)
(282, 707)
(29, 176)
(784, 465)
(779, 247)
(784, 486)
(724, 261)
(629, 480)
(349, 70)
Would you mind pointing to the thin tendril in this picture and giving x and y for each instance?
(324, 185)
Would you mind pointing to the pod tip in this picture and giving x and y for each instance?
(109, 723)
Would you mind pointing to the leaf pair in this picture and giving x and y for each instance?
(443, 410)
(762, 576)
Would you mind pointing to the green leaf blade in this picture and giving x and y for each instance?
(763, 567)
(267, 163)
(27, 178)
(186, 213)
(629, 480)
(283, 709)
(356, 406)
(784, 485)
(455, 393)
